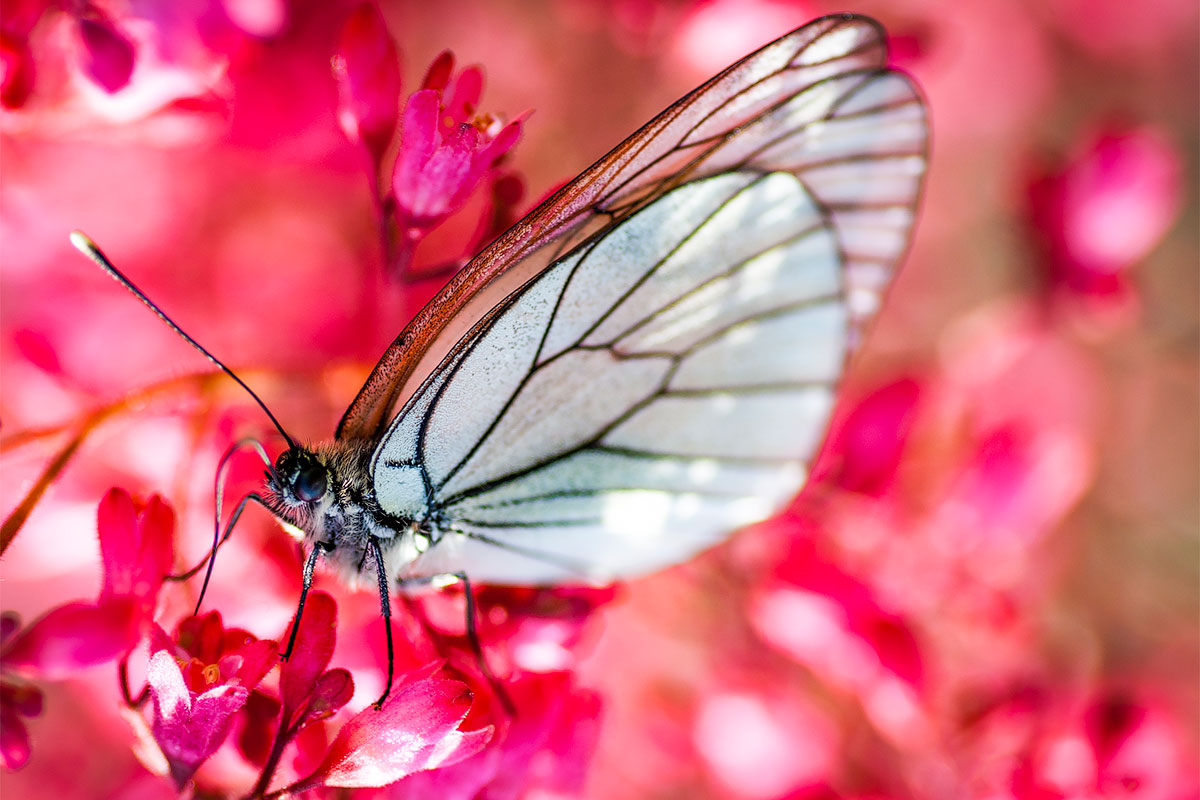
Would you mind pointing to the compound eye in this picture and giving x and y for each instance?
(310, 484)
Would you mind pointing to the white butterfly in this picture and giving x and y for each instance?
(647, 361)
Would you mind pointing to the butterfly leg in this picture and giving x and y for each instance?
(309, 566)
(472, 628)
(385, 607)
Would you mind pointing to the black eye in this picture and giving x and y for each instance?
(310, 483)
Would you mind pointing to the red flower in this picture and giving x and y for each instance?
(135, 545)
(17, 699)
(445, 152)
(446, 147)
(416, 729)
(543, 750)
(866, 447)
(107, 53)
(367, 69)
(198, 682)
(1105, 208)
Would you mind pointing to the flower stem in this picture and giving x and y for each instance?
(282, 736)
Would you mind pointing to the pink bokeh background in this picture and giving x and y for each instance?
(990, 588)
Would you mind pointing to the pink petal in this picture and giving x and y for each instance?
(544, 750)
(189, 730)
(464, 98)
(311, 653)
(866, 448)
(202, 637)
(76, 635)
(438, 75)
(493, 150)
(258, 731)
(332, 691)
(420, 138)
(367, 68)
(108, 57)
(258, 657)
(22, 699)
(1122, 196)
(416, 729)
(16, 70)
(136, 546)
(14, 740)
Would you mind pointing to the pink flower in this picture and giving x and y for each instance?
(198, 681)
(17, 699)
(866, 446)
(1106, 207)
(543, 750)
(418, 728)
(107, 53)
(446, 148)
(827, 619)
(367, 69)
(135, 545)
(765, 743)
(445, 151)
(17, 69)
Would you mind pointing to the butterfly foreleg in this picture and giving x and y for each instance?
(310, 565)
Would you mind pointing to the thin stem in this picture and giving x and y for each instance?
(123, 680)
(283, 735)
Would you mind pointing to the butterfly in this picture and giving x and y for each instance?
(648, 360)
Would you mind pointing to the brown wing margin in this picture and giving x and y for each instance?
(673, 147)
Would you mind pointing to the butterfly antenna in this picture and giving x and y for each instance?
(89, 249)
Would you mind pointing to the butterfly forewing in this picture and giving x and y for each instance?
(647, 362)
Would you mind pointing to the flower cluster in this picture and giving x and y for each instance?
(447, 146)
(987, 588)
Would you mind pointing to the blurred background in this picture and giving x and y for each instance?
(991, 588)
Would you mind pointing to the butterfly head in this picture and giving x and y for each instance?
(300, 478)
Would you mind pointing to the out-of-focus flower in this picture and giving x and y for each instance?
(1038, 741)
(17, 70)
(715, 34)
(417, 728)
(107, 53)
(446, 148)
(1105, 208)
(765, 743)
(543, 750)
(17, 699)
(830, 621)
(533, 630)
(136, 547)
(198, 682)
(865, 447)
(367, 69)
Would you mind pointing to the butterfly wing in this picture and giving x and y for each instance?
(855, 117)
(626, 393)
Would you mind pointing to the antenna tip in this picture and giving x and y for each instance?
(82, 243)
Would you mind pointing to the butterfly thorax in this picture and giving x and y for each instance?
(325, 493)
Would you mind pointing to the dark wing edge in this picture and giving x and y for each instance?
(682, 143)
